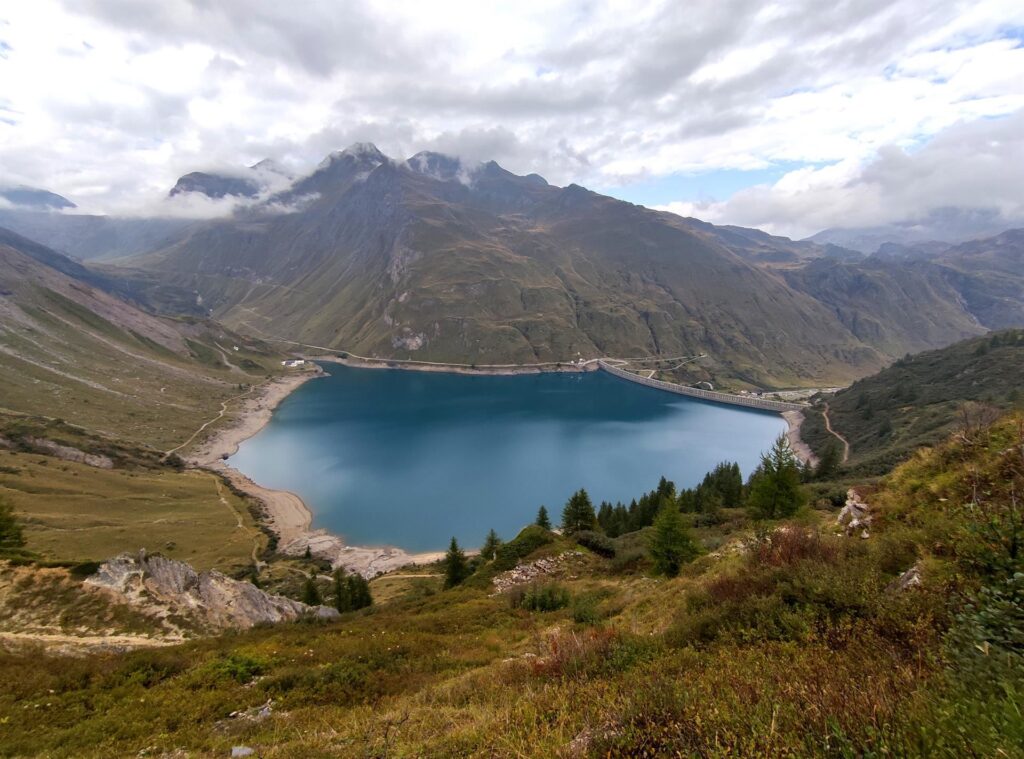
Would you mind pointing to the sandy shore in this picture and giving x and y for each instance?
(284, 512)
(803, 451)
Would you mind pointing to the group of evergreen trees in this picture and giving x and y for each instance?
(348, 592)
(773, 491)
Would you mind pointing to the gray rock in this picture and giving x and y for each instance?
(242, 751)
(209, 598)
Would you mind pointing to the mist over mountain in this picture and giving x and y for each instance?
(33, 198)
(949, 225)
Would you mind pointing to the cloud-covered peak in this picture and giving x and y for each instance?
(32, 198)
(437, 165)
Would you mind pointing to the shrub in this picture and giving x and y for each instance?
(547, 597)
(596, 542)
(234, 666)
(584, 610)
(790, 545)
(526, 542)
(85, 569)
(629, 560)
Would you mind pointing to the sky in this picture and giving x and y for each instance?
(790, 116)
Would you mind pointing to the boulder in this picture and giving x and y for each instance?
(211, 599)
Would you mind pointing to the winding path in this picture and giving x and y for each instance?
(843, 440)
(223, 411)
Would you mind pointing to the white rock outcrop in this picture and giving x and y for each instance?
(855, 515)
(165, 587)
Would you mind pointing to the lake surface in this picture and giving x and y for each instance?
(392, 457)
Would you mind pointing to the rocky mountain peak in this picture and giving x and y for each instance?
(437, 165)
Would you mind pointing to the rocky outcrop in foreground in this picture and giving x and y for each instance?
(165, 587)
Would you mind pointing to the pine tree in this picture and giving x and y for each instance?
(359, 591)
(775, 490)
(10, 531)
(455, 567)
(543, 520)
(310, 593)
(670, 543)
(828, 464)
(578, 513)
(342, 594)
(490, 546)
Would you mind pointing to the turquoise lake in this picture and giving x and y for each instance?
(404, 458)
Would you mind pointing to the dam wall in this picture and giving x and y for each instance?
(705, 395)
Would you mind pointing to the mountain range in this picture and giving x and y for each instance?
(438, 259)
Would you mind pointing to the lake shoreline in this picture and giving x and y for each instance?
(290, 518)
(285, 513)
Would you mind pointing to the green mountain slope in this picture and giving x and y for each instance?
(920, 399)
(74, 351)
(431, 259)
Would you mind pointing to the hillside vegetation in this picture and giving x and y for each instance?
(83, 498)
(72, 350)
(920, 399)
(788, 640)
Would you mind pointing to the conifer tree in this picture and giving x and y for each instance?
(359, 591)
(578, 513)
(775, 491)
(456, 568)
(310, 593)
(10, 531)
(828, 464)
(670, 543)
(490, 546)
(543, 520)
(342, 594)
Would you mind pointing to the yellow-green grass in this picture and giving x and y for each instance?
(74, 512)
(403, 584)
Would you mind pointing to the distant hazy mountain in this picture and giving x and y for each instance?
(34, 198)
(245, 183)
(942, 225)
(433, 258)
(989, 275)
(92, 237)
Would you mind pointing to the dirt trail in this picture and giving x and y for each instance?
(223, 411)
(253, 534)
(843, 440)
(83, 644)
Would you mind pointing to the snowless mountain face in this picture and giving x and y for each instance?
(432, 257)
(34, 199)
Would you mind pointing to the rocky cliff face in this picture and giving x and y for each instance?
(165, 587)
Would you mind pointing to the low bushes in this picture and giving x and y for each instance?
(600, 544)
(526, 542)
(546, 597)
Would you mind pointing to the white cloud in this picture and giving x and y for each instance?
(109, 101)
(974, 165)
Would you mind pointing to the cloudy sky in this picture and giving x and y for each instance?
(791, 116)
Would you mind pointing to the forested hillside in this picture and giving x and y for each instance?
(921, 398)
